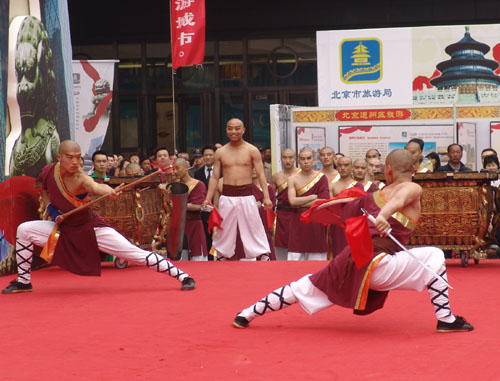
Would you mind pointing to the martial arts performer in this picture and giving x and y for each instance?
(193, 227)
(237, 204)
(365, 289)
(327, 158)
(359, 169)
(284, 211)
(82, 235)
(306, 241)
(259, 195)
(415, 147)
(344, 166)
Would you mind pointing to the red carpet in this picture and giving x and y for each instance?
(135, 324)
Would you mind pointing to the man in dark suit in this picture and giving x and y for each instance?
(203, 174)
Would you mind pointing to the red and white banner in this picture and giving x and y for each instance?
(188, 32)
(93, 92)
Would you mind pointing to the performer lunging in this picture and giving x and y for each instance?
(81, 235)
(397, 207)
(237, 204)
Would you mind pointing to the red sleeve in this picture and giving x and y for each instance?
(323, 192)
(198, 194)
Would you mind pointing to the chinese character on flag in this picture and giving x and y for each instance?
(188, 32)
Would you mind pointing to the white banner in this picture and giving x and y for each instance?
(403, 66)
(93, 92)
(362, 69)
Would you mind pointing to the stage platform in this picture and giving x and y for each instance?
(135, 324)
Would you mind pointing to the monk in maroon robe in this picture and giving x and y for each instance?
(363, 285)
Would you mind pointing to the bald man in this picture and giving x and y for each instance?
(284, 211)
(237, 204)
(365, 289)
(82, 235)
(344, 166)
(306, 241)
(359, 171)
(327, 158)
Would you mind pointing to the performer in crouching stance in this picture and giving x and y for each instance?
(365, 289)
(81, 235)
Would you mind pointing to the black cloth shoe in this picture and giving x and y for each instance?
(188, 284)
(16, 287)
(240, 322)
(459, 325)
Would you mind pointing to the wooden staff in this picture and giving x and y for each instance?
(62, 217)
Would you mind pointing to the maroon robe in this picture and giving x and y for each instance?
(76, 248)
(309, 238)
(239, 252)
(341, 280)
(193, 228)
(284, 214)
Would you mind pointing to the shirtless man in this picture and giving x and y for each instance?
(306, 241)
(284, 211)
(82, 235)
(327, 158)
(237, 204)
(344, 166)
(365, 289)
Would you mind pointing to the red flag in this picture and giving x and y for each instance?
(328, 211)
(270, 217)
(187, 27)
(214, 220)
(359, 240)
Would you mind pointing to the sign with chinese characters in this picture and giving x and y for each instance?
(354, 141)
(364, 67)
(384, 114)
(404, 66)
(188, 32)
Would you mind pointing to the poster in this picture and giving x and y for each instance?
(93, 94)
(354, 141)
(403, 66)
(466, 133)
(41, 106)
(312, 137)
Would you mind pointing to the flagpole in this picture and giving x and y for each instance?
(173, 75)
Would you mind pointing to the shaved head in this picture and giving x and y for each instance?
(400, 161)
(306, 149)
(68, 145)
(182, 161)
(287, 150)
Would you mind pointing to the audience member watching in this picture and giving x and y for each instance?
(121, 170)
(133, 169)
(100, 162)
(490, 164)
(435, 160)
(134, 158)
(488, 152)
(146, 166)
(455, 152)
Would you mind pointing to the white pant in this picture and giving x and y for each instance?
(109, 241)
(394, 272)
(240, 213)
(281, 253)
(292, 256)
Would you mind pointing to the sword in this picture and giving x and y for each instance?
(425, 266)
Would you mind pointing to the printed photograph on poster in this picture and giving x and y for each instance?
(466, 133)
(312, 137)
(495, 135)
(354, 141)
